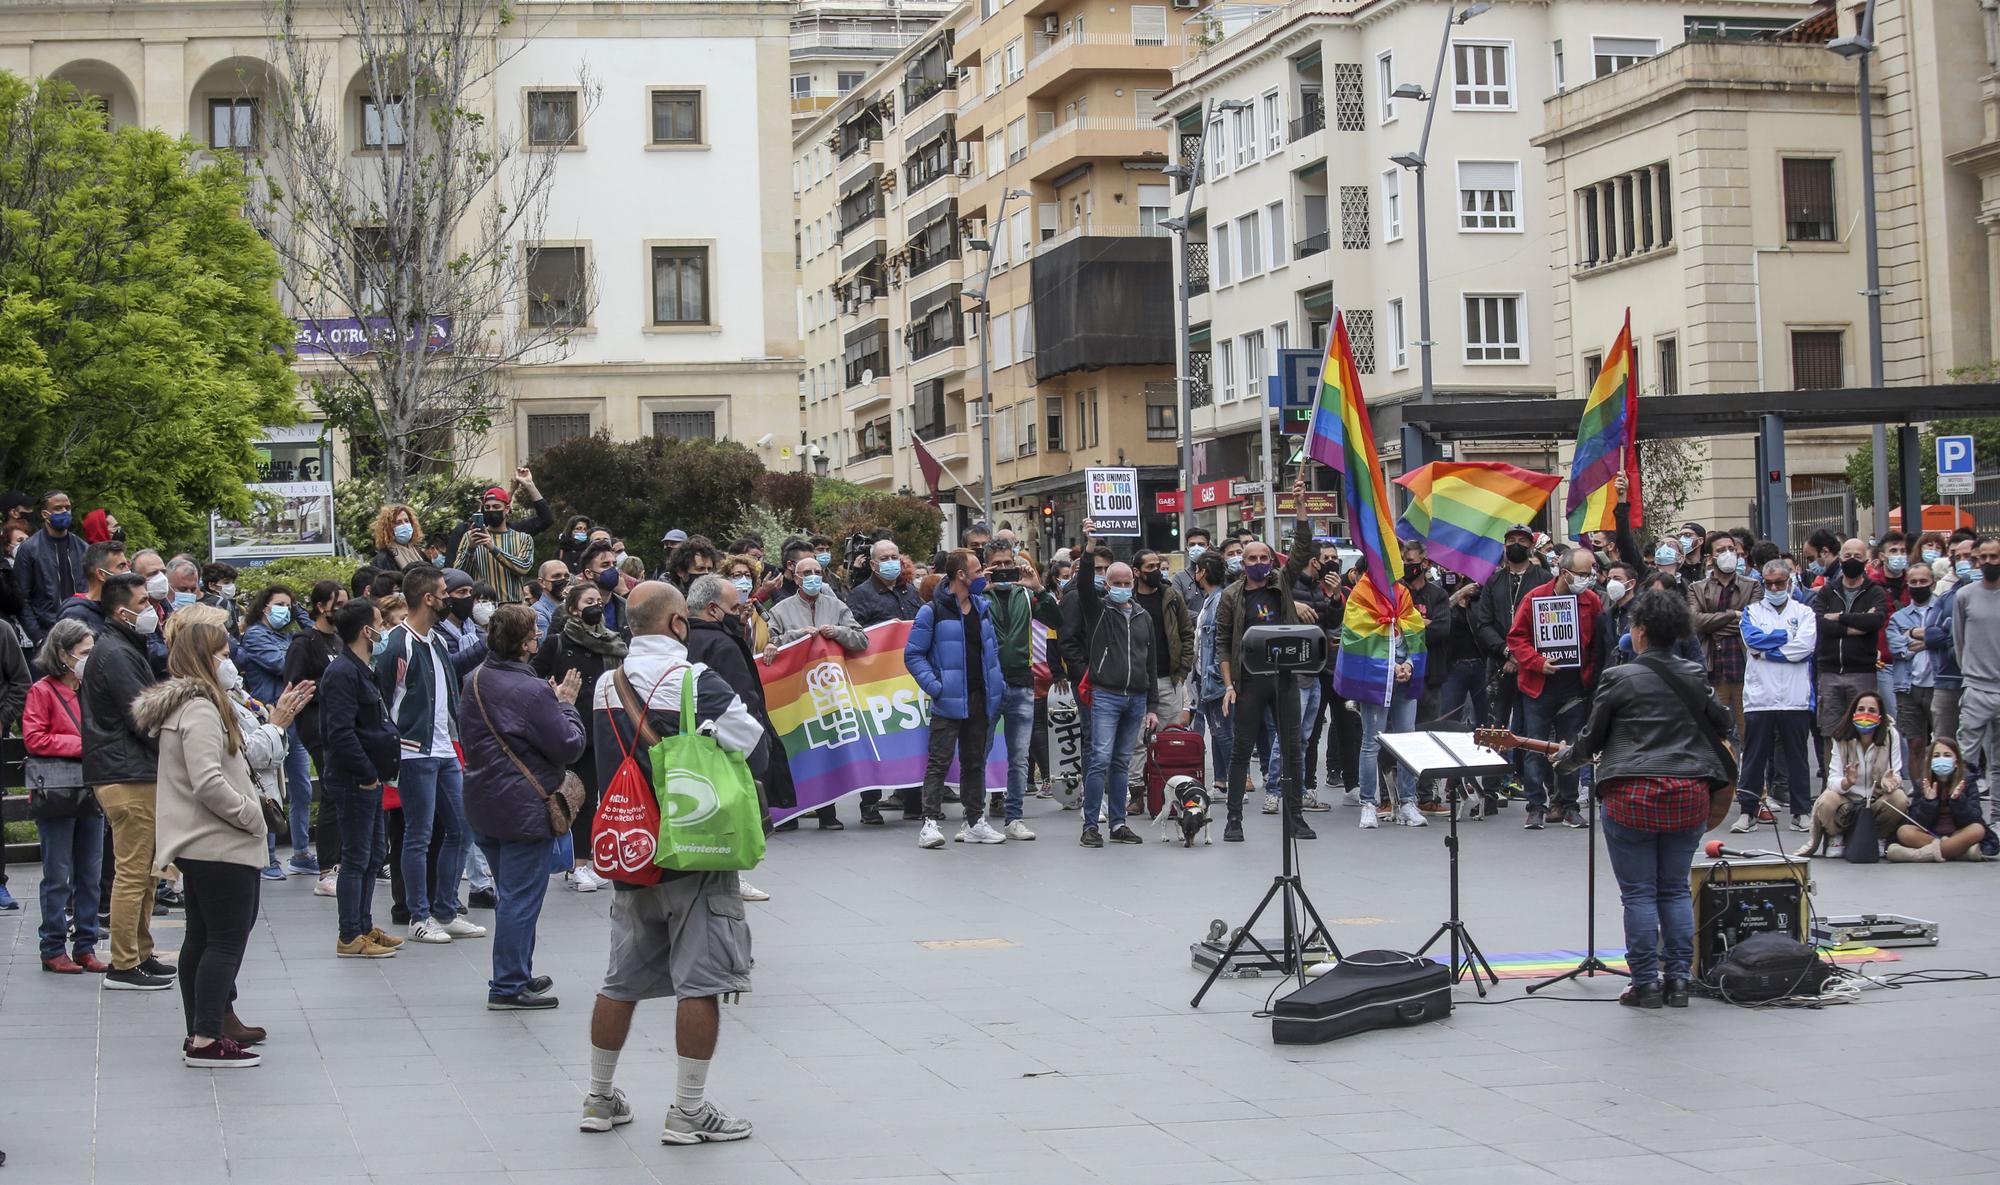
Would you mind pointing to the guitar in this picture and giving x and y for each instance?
(1500, 740)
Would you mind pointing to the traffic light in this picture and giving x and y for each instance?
(1048, 510)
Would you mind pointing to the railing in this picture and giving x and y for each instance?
(921, 263)
(922, 173)
(878, 362)
(924, 341)
(1197, 268)
(1209, 27)
(1312, 121)
(1086, 125)
(866, 213)
(1200, 394)
(925, 90)
(1310, 245)
(810, 101)
(835, 35)
(1190, 149)
(1051, 47)
(1126, 231)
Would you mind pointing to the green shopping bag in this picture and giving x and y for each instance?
(709, 817)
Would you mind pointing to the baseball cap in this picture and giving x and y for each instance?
(674, 536)
(1520, 529)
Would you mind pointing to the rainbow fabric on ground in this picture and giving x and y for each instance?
(1542, 964)
(1607, 443)
(1461, 511)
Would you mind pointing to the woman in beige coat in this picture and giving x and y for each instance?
(210, 825)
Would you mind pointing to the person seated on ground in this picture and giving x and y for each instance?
(1944, 819)
(1865, 768)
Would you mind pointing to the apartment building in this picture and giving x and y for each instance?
(837, 44)
(677, 308)
(1023, 138)
(1301, 209)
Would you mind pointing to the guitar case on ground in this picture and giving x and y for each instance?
(1371, 989)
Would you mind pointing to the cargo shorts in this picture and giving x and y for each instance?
(685, 938)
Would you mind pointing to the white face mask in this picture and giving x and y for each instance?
(76, 668)
(1725, 562)
(146, 623)
(157, 586)
(482, 612)
(227, 675)
(228, 590)
(1614, 591)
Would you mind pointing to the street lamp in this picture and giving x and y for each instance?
(1179, 227)
(1858, 48)
(1413, 437)
(983, 310)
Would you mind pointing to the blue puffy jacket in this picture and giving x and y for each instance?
(935, 655)
(261, 654)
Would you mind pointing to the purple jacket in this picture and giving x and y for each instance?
(543, 732)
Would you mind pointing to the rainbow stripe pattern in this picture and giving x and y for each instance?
(1341, 438)
(1607, 442)
(1461, 510)
(854, 722)
(1542, 964)
(1364, 670)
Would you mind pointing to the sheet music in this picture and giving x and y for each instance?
(1446, 753)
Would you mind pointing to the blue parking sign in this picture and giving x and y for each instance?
(1955, 465)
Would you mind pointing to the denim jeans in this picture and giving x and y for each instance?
(364, 844)
(521, 881)
(433, 791)
(1221, 739)
(1464, 684)
(1545, 720)
(72, 864)
(1017, 715)
(1115, 721)
(1398, 715)
(1652, 872)
(299, 790)
(478, 873)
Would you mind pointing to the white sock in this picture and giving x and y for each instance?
(603, 1064)
(690, 1083)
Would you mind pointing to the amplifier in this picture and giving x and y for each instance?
(1737, 897)
(1873, 929)
(1247, 963)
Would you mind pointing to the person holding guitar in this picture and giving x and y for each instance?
(1656, 736)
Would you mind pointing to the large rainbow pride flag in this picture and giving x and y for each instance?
(1342, 438)
(1607, 443)
(854, 722)
(1461, 510)
(1364, 669)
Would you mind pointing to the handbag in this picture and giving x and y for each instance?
(567, 798)
(625, 835)
(710, 819)
(1720, 798)
(56, 789)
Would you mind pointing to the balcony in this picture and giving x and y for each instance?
(876, 470)
(1312, 121)
(859, 398)
(1190, 143)
(1099, 232)
(1197, 268)
(1052, 68)
(837, 35)
(1310, 245)
(1055, 150)
(953, 445)
(920, 264)
(925, 98)
(927, 182)
(813, 102)
(944, 360)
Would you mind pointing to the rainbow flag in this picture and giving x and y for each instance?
(1341, 438)
(854, 722)
(1542, 964)
(1364, 670)
(1607, 442)
(1461, 510)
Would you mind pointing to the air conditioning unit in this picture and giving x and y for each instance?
(1187, 3)
(963, 167)
(867, 294)
(1050, 25)
(847, 307)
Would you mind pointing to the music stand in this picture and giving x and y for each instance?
(1454, 757)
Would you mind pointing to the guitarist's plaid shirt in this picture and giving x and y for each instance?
(1656, 804)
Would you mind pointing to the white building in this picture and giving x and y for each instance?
(837, 44)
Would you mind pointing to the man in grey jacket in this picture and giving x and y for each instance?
(814, 610)
(1125, 697)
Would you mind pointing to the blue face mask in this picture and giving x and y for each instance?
(1964, 569)
(381, 644)
(1898, 563)
(580, 536)
(1120, 594)
(608, 579)
(978, 585)
(1195, 551)
(1815, 568)
(60, 520)
(1777, 598)
(824, 557)
(889, 569)
(279, 616)
(1100, 582)
(812, 586)
(1942, 766)
(1665, 554)
(183, 598)
(742, 584)
(1233, 564)
(404, 532)
(1930, 555)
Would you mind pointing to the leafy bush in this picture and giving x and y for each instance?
(770, 524)
(441, 503)
(914, 522)
(641, 488)
(298, 573)
(789, 496)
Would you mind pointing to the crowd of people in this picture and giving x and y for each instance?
(435, 704)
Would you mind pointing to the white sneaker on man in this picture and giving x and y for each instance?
(329, 883)
(429, 931)
(750, 892)
(1350, 798)
(463, 927)
(1407, 815)
(1368, 822)
(1744, 824)
(930, 836)
(981, 832)
(1019, 830)
(1309, 801)
(1270, 804)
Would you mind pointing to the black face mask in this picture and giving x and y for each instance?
(592, 615)
(1151, 579)
(1920, 595)
(556, 588)
(494, 518)
(459, 607)
(1990, 571)
(1517, 553)
(1852, 568)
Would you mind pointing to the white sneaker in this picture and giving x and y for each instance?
(981, 832)
(1309, 801)
(750, 892)
(602, 1112)
(1407, 815)
(930, 836)
(1368, 822)
(1019, 830)
(1745, 823)
(429, 931)
(462, 927)
(1270, 804)
(329, 883)
(1350, 798)
(585, 880)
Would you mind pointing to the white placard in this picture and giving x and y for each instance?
(1558, 631)
(1111, 499)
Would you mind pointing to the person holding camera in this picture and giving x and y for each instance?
(495, 550)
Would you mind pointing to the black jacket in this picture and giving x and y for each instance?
(361, 744)
(1118, 650)
(308, 657)
(114, 748)
(85, 610)
(1638, 727)
(872, 604)
(1435, 604)
(1499, 597)
(15, 679)
(725, 653)
(1842, 653)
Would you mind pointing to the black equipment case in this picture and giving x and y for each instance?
(1372, 989)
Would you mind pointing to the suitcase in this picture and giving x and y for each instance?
(1372, 989)
(1172, 752)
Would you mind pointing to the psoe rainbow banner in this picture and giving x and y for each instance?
(855, 721)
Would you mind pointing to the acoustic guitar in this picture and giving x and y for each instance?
(1500, 740)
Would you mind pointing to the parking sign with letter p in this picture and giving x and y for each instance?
(1955, 465)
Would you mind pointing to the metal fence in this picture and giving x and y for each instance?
(1838, 511)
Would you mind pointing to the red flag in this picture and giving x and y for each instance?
(932, 471)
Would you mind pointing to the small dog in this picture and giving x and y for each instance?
(1186, 805)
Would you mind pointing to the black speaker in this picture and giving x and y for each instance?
(1274, 649)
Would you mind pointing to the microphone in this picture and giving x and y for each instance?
(1714, 850)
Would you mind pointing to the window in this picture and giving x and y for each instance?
(547, 430)
(1003, 432)
(1487, 197)
(1152, 208)
(1556, 63)
(1809, 200)
(1593, 365)
(1024, 241)
(1816, 364)
(1482, 75)
(1048, 217)
(1355, 220)
(1493, 329)
(1145, 108)
(996, 151)
(1024, 333)
(1250, 244)
(1361, 334)
(1011, 59)
(552, 117)
(558, 290)
(1217, 151)
(684, 425)
(1612, 54)
(802, 86)
(374, 261)
(1219, 261)
(1385, 83)
(1225, 369)
(1162, 414)
(1281, 336)
(677, 117)
(381, 122)
(847, 80)
(1624, 215)
(1017, 140)
(1669, 352)
(1392, 205)
(232, 124)
(1274, 123)
(1052, 426)
(1149, 24)
(1243, 130)
(1275, 227)
(1253, 366)
(1001, 341)
(1086, 418)
(1024, 428)
(680, 286)
(1399, 342)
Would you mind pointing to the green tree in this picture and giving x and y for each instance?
(642, 488)
(441, 503)
(1985, 435)
(141, 340)
(914, 522)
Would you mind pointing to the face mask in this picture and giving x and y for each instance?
(279, 616)
(1725, 563)
(157, 586)
(494, 518)
(1815, 568)
(1687, 542)
(1517, 553)
(1866, 722)
(1964, 569)
(1853, 568)
(811, 585)
(59, 521)
(619, 558)
(1943, 766)
(824, 557)
(184, 598)
(557, 586)
(977, 585)
(146, 622)
(1930, 555)
(1991, 572)
(76, 668)
(228, 590)
(1776, 598)
(1898, 563)
(608, 579)
(1549, 558)
(743, 585)
(580, 536)
(459, 607)
(1582, 584)
(482, 612)
(227, 675)
(889, 570)
(1257, 571)
(1665, 554)
(404, 532)
(1615, 591)
(1152, 579)
(1232, 564)
(381, 644)
(1100, 582)
(1120, 594)
(593, 615)
(1920, 594)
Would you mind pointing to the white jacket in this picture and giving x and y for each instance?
(1782, 682)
